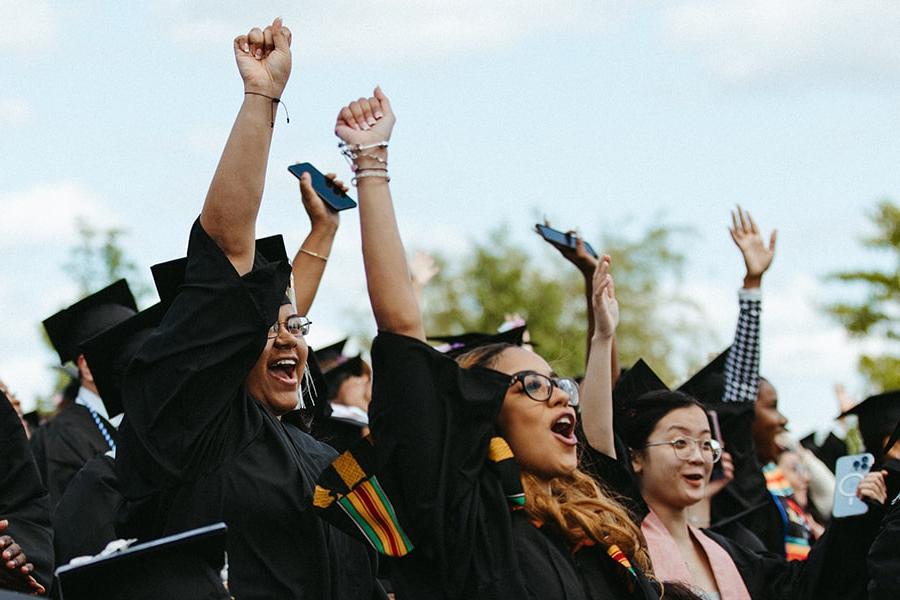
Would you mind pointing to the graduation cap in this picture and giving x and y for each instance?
(169, 276)
(455, 345)
(878, 419)
(635, 382)
(330, 356)
(186, 565)
(109, 353)
(708, 384)
(349, 367)
(86, 318)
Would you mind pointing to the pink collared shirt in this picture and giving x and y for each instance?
(668, 565)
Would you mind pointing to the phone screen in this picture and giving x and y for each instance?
(559, 238)
(718, 471)
(331, 195)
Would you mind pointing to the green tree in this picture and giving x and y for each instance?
(877, 314)
(96, 260)
(500, 278)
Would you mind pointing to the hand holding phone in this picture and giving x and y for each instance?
(849, 471)
(561, 239)
(334, 197)
(718, 470)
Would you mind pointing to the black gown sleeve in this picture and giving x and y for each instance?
(432, 423)
(615, 474)
(183, 391)
(884, 559)
(23, 500)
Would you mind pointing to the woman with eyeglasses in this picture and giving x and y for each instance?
(479, 455)
(204, 439)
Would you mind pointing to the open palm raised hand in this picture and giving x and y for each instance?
(264, 59)
(605, 305)
(757, 255)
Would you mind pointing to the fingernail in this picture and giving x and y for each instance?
(371, 122)
(258, 53)
(378, 114)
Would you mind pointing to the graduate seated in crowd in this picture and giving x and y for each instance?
(477, 456)
(26, 537)
(86, 427)
(204, 440)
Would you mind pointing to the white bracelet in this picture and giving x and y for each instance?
(367, 173)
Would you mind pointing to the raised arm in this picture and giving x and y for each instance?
(363, 125)
(742, 363)
(232, 202)
(596, 390)
(312, 256)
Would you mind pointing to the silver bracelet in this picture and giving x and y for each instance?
(370, 173)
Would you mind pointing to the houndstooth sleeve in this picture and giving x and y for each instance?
(742, 363)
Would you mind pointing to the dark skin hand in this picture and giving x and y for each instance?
(16, 568)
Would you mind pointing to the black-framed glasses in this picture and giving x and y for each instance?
(296, 325)
(539, 387)
(710, 450)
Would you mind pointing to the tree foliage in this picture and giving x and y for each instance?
(500, 278)
(877, 314)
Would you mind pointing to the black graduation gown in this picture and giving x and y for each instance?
(432, 423)
(340, 434)
(84, 520)
(196, 448)
(23, 499)
(63, 445)
(835, 568)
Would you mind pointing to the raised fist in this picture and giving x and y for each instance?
(264, 59)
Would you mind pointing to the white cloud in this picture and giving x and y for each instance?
(48, 212)
(28, 26)
(755, 41)
(14, 111)
(389, 30)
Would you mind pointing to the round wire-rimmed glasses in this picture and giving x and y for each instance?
(684, 447)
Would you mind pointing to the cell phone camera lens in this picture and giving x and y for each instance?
(855, 464)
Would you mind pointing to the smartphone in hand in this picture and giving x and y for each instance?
(718, 471)
(330, 194)
(848, 472)
(559, 238)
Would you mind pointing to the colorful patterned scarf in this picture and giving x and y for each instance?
(797, 533)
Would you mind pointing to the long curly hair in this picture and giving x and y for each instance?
(576, 504)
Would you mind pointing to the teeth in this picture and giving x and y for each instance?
(565, 420)
(287, 362)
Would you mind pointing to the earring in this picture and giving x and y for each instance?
(308, 389)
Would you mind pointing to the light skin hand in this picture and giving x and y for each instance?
(604, 303)
(757, 254)
(264, 59)
(366, 121)
(873, 487)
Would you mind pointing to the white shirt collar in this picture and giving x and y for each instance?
(91, 400)
(350, 413)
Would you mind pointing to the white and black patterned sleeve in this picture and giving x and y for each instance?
(742, 363)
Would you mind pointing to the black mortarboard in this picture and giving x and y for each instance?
(635, 382)
(878, 417)
(708, 384)
(455, 345)
(186, 565)
(33, 419)
(109, 353)
(330, 356)
(86, 318)
(168, 276)
(350, 367)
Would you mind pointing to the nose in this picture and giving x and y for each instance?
(696, 456)
(286, 339)
(558, 397)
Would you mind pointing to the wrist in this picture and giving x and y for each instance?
(324, 228)
(752, 281)
(600, 339)
(374, 158)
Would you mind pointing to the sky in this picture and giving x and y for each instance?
(598, 114)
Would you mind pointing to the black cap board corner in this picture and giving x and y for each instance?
(110, 352)
(878, 419)
(636, 381)
(708, 384)
(68, 328)
(455, 345)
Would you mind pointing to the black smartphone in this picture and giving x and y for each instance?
(559, 238)
(330, 194)
(718, 472)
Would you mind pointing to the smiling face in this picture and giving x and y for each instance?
(768, 422)
(275, 378)
(540, 434)
(666, 479)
